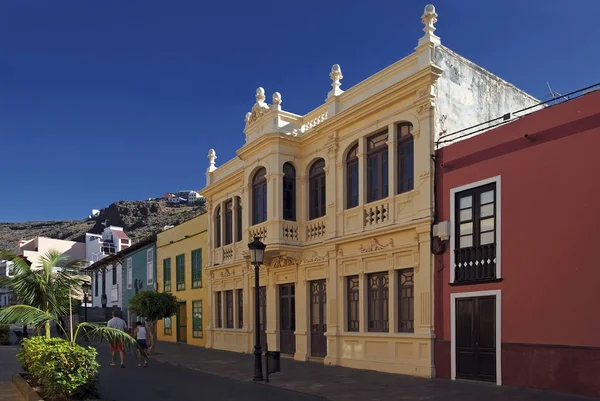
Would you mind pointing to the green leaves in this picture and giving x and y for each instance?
(24, 314)
(154, 305)
(98, 332)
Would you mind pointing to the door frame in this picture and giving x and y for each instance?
(177, 338)
(453, 298)
(324, 312)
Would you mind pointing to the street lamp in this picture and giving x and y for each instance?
(257, 254)
(86, 289)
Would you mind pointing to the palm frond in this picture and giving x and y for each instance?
(98, 332)
(24, 314)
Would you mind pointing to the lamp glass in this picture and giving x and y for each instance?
(85, 287)
(257, 251)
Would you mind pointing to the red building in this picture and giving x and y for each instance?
(517, 284)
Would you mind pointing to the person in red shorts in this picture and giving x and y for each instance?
(117, 323)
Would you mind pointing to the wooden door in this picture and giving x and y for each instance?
(287, 318)
(318, 318)
(476, 338)
(182, 323)
(262, 299)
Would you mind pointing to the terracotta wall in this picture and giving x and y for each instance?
(550, 194)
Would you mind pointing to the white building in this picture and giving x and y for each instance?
(190, 196)
(5, 294)
(107, 282)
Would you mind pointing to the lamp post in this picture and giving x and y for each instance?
(86, 289)
(257, 253)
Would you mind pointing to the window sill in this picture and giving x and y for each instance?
(489, 281)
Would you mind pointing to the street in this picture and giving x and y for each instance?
(164, 381)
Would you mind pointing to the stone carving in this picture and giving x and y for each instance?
(212, 275)
(422, 92)
(376, 246)
(340, 252)
(260, 108)
(429, 18)
(283, 261)
(424, 107)
(227, 272)
(315, 258)
(331, 204)
(336, 76)
(212, 156)
(277, 98)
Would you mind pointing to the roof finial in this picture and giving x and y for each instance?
(428, 19)
(336, 76)
(212, 156)
(260, 95)
(277, 98)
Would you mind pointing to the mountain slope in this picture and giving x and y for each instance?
(139, 219)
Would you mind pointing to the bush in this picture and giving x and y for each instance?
(4, 334)
(62, 369)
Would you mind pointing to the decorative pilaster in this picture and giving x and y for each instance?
(302, 328)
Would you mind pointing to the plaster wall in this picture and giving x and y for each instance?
(549, 277)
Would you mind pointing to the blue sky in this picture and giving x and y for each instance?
(108, 100)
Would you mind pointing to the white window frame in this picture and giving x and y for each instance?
(129, 274)
(498, 194)
(453, 298)
(150, 266)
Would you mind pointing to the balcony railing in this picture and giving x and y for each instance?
(376, 213)
(260, 231)
(475, 264)
(290, 231)
(315, 229)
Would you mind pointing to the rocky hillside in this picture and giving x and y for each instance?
(139, 219)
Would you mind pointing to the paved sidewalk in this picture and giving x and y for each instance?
(343, 384)
(9, 366)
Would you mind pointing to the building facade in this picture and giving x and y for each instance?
(38, 247)
(516, 278)
(181, 259)
(139, 273)
(342, 197)
(107, 280)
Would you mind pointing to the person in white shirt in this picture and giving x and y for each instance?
(116, 346)
(140, 334)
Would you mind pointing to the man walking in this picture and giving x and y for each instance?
(117, 346)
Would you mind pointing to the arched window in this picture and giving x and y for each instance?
(218, 227)
(377, 167)
(229, 222)
(289, 192)
(259, 197)
(406, 159)
(238, 219)
(352, 177)
(316, 187)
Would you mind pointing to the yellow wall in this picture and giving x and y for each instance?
(183, 239)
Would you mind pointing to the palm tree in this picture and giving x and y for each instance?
(47, 292)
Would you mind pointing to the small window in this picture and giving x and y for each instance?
(229, 309)
(238, 219)
(353, 303)
(218, 310)
(150, 266)
(114, 274)
(259, 197)
(240, 308)
(218, 227)
(289, 192)
(228, 222)
(378, 289)
(180, 272)
(317, 188)
(377, 167)
(167, 274)
(197, 319)
(129, 274)
(406, 162)
(167, 324)
(406, 301)
(352, 177)
(96, 283)
(197, 268)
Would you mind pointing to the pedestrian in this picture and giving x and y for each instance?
(117, 346)
(140, 334)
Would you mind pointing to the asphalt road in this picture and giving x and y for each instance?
(163, 381)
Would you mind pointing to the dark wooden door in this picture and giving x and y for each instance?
(318, 318)
(182, 323)
(262, 299)
(476, 338)
(287, 318)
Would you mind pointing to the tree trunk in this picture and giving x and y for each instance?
(152, 334)
(47, 329)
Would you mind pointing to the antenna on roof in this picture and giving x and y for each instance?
(555, 94)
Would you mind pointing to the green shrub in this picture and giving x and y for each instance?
(4, 334)
(61, 368)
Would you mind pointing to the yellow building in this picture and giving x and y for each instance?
(180, 255)
(342, 196)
